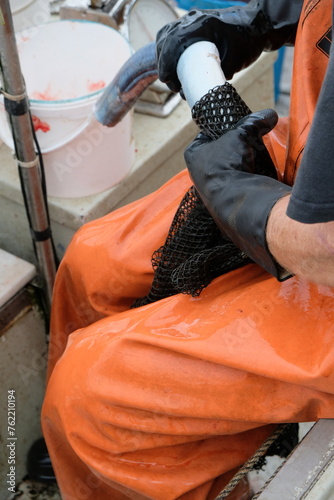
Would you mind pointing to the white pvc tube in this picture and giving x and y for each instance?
(199, 71)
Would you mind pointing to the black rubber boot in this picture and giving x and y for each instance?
(39, 463)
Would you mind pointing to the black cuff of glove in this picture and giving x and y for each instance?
(260, 253)
(242, 214)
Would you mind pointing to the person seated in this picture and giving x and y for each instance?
(167, 400)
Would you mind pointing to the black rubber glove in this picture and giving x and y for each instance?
(241, 34)
(239, 200)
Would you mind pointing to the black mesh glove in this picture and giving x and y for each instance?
(240, 34)
(238, 200)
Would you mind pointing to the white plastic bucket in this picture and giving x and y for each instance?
(29, 13)
(66, 65)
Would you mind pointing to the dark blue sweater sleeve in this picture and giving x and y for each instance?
(312, 198)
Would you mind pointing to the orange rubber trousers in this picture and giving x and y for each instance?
(159, 401)
(163, 402)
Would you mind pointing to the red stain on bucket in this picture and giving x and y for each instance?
(95, 86)
(40, 125)
(46, 95)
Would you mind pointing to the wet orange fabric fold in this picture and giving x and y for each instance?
(163, 402)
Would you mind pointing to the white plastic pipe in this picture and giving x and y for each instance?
(199, 71)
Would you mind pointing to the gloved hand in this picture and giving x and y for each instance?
(240, 34)
(238, 199)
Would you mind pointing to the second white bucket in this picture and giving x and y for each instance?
(29, 13)
(66, 65)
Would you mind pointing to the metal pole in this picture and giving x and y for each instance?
(17, 106)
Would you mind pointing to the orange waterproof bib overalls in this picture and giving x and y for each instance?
(164, 401)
